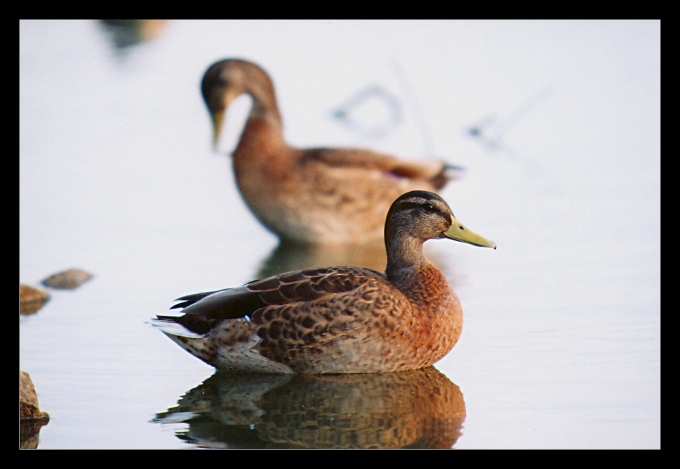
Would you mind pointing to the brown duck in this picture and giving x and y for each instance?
(337, 319)
(310, 196)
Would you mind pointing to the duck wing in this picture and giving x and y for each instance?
(437, 172)
(203, 310)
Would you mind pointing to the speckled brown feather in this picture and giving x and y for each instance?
(315, 196)
(374, 327)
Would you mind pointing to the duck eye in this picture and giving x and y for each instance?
(428, 207)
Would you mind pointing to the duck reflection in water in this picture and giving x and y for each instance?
(287, 256)
(410, 409)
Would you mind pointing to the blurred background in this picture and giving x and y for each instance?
(557, 124)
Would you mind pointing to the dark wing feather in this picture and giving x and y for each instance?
(190, 299)
(203, 310)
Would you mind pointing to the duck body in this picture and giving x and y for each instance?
(336, 319)
(332, 320)
(309, 196)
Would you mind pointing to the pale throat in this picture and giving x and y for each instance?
(404, 252)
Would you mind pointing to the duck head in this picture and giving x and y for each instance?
(227, 79)
(416, 217)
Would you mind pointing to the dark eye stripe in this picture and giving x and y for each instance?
(408, 205)
(427, 206)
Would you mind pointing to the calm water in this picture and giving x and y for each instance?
(557, 124)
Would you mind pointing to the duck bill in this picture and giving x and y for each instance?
(459, 232)
(217, 121)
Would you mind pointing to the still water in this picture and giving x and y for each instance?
(557, 124)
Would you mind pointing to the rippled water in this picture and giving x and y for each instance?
(557, 125)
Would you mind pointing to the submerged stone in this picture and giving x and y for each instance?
(31, 418)
(67, 280)
(31, 299)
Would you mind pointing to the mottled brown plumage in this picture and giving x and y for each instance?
(312, 196)
(337, 319)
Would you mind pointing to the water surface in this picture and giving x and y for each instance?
(556, 123)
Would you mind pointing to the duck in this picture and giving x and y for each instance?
(332, 320)
(313, 195)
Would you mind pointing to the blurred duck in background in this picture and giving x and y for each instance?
(309, 196)
(125, 34)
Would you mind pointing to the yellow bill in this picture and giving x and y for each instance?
(460, 232)
(217, 120)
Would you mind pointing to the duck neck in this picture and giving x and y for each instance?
(404, 253)
(259, 86)
(263, 129)
(262, 137)
(265, 109)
